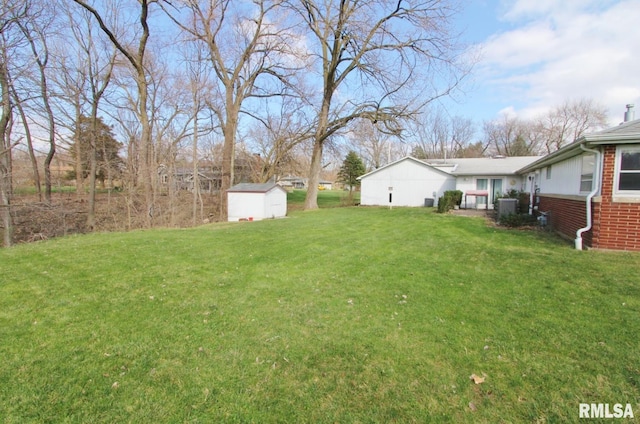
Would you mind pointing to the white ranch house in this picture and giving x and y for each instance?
(414, 182)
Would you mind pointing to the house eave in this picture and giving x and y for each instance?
(485, 174)
(598, 141)
(574, 149)
(559, 155)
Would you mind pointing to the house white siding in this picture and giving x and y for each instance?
(470, 183)
(561, 177)
(408, 181)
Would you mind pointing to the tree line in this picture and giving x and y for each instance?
(435, 134)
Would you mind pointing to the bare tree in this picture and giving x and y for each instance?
(10, 15)
(35, 30)
(570, 121)
(375, 147)
(376, 50)
(276, 137)
(19, 104)
(136, 57)
(97, 68)
(440, 135)
(199, 90)
(250, 53)
(510, 136)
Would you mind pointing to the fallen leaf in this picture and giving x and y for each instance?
(473, 406)
(115, 385)
(477, 379)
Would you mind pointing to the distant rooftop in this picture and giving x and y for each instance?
(482, 166)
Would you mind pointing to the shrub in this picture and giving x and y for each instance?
(517, 220)
(449, 200)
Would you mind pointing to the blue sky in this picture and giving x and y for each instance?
(535, 54)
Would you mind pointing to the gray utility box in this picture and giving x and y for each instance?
(428, 202)
(507, 206)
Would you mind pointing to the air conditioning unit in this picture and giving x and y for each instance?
(507, 207)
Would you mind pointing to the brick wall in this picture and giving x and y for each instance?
(566, 216)
(616, 225)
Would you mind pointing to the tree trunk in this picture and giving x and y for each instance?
(228, 151)
(44, 90)
(311, 200)
(77, 151)
(146, 149)
(5, 159)
(91, 213)
(32, 156)
(194, 159)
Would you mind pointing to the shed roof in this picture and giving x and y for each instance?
(254, 188)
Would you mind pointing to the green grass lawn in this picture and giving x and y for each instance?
(337, 315)
(326, 199)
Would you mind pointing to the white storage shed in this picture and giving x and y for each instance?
(254, 202)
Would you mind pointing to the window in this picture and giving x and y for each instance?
(628, 169)
(586, 175)
(482, 184)
(548, 172)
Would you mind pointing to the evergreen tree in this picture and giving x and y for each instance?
(351, 169)
(107, 149)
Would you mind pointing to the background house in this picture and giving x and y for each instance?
(590, 189)
(411, 181)
(256, 201)
(325, 185)
(183, 179)
(293, 182)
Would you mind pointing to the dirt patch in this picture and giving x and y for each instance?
(67, 214)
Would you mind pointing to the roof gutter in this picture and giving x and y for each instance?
(594, 191)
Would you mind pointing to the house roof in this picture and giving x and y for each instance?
(625, 133)
(470, 166)
(483, 166)
(292, 178)
(406, 158)
(253, 188)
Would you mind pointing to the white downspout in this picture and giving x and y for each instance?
(594, 191)
(532, 183)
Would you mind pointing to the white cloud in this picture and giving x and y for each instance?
(557, 51)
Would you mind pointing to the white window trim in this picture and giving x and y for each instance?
(616, 179)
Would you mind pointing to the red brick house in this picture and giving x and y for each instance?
(590, 189)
